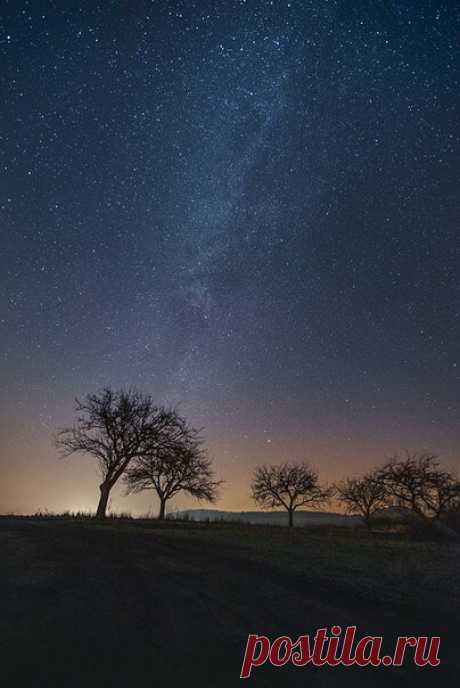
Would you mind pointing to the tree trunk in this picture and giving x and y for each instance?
(103, 500)
(161, 514)
(291, 517)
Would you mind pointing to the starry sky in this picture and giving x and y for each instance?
(246, 208)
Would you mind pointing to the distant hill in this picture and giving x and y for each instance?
(393, 512)
(301, 518)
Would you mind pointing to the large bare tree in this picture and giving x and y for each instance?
(116, 427)
(416, 481)
(289, 485)
(182, 466)
(363, 496)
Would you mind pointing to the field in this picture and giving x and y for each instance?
(138, 603)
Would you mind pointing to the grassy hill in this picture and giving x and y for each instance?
(138, 603)
(280, 518)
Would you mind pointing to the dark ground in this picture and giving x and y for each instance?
(142, 604)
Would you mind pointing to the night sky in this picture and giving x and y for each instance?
(249, 209)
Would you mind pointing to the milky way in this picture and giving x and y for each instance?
(247, 208)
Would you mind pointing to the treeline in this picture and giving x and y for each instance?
(414, 483)
(153, 447)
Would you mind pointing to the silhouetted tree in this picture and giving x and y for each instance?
(182, 466)
(415, 481)
(288, 485)
(363, 496)
(116, 427)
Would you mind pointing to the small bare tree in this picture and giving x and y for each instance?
(288, 485)
(363, 496)
(115, 427)
(182, 466)
(416, 481)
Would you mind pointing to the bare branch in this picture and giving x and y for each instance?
(180, 466)
(288, 485)
(363, 496)
(416, 481)
(116, 427)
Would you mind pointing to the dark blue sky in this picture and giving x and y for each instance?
(250, 208)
